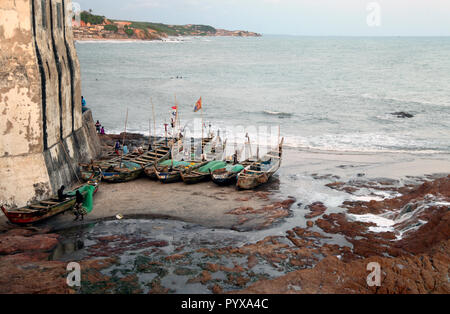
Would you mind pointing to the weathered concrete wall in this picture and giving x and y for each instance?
(20, 85)
(74, 66)
(44, 46)
(60, 55)
(81, 146)
(43, 134)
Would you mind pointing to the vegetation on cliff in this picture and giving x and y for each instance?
(98, 26)
(92, 19)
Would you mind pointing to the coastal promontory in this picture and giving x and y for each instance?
(97, 27)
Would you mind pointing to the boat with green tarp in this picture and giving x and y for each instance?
(45, 209)
(228, 175)
(203, 173)
(170, 171)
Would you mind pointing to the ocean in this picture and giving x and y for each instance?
(325, 93)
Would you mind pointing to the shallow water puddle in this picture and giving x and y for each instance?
(163, 253)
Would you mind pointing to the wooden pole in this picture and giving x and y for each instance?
(176, 116)
(249, 146)
(202, 126)
(123, 141)
(154, 121)
(149, 133)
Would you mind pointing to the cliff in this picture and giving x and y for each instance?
(96, 27)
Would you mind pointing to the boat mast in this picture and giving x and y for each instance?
(154, 121)
(149, 133)
(249, 145)
(123, 140)
(202, 127)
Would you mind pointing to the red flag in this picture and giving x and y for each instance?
(198, 105)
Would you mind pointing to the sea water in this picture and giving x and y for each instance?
(326, 93)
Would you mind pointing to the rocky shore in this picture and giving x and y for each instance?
(406, 231)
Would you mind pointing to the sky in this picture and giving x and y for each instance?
(290, 17)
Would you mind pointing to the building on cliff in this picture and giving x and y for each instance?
(43, 133)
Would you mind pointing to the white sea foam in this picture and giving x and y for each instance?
(382, 224)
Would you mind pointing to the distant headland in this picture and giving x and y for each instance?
(97, 27)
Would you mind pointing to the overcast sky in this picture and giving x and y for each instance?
(290, 17)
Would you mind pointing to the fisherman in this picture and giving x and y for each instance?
(102, 131)
(78, 209)
(61, 195)
(117, 147)
(97, 126)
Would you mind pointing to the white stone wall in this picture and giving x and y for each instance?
(39, 84)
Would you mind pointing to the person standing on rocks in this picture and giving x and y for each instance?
(83, 104)
(98, 126)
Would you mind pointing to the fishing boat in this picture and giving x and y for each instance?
(42, 210)
(170, 171)
(93, 168)
(129, 168)
(261, 171)
(127, 171)
(228, 175)
(203, 173)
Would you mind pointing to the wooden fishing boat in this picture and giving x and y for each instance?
(129, 168)
(224, 177)
(125, 172)
(46, 209)
(260, 172)
(87, 170)
(171, 174)
(201, 174)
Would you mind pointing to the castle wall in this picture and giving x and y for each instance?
(20, 85)
(43, 134)
(44, 49)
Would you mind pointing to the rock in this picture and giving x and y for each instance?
(11, 243)
(310, 224)
(203, 278)
(402, 114)
(252, 261)
(317, 209)
(424, 274)
(216, 289)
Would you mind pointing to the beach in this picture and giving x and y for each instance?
(320, 213)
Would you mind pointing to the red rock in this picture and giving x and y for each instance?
(317, 209)
(10, 244)
(216, 289)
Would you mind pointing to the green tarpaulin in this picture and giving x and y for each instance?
(88, 192)
(235, 168)
(212, 166)
(175, 163)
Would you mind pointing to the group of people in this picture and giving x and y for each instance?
(100, 129)
(117, 148)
